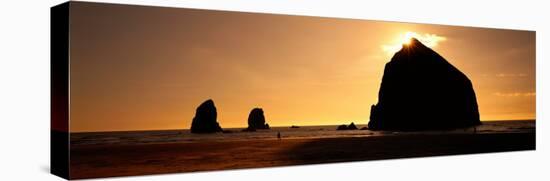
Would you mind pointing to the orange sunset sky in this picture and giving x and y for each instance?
(148, 68)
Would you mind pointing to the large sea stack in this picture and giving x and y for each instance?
(256, 119)
(205, 120)
(420, 90)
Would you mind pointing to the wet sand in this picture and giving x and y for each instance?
(90, 161)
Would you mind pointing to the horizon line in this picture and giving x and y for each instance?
(135, 130)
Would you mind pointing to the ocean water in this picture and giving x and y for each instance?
(329, 131)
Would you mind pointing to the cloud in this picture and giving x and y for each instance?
(510, 75)
(515, 94)
(430, 40)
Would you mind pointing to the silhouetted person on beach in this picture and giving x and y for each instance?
(279, 135)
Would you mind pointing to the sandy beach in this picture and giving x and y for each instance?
(88, 161)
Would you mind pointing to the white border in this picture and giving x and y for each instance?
(24, 91)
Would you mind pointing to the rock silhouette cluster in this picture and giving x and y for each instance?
(205, 120)
(351, 126)
(256, 120)
(420, 90)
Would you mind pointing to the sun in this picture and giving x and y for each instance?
(406, 38)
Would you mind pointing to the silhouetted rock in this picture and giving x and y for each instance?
(248, 130)
(227, 131)
(342, 127)
(420, 90)
(349, 127)
(294, 126)
(364, 128)
(352, 126)
(205, 120)
(256, 120)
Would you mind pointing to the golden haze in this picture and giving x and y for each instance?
(148, 68)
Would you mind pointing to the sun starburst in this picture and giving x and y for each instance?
(404, 39)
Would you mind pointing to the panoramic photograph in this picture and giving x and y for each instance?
(156, 90)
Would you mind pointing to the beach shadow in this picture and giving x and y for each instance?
(334, 150)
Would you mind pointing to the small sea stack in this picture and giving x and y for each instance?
(420, 90)
(256, 120)
(342, 127)
(351, 126)
(205, 120)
